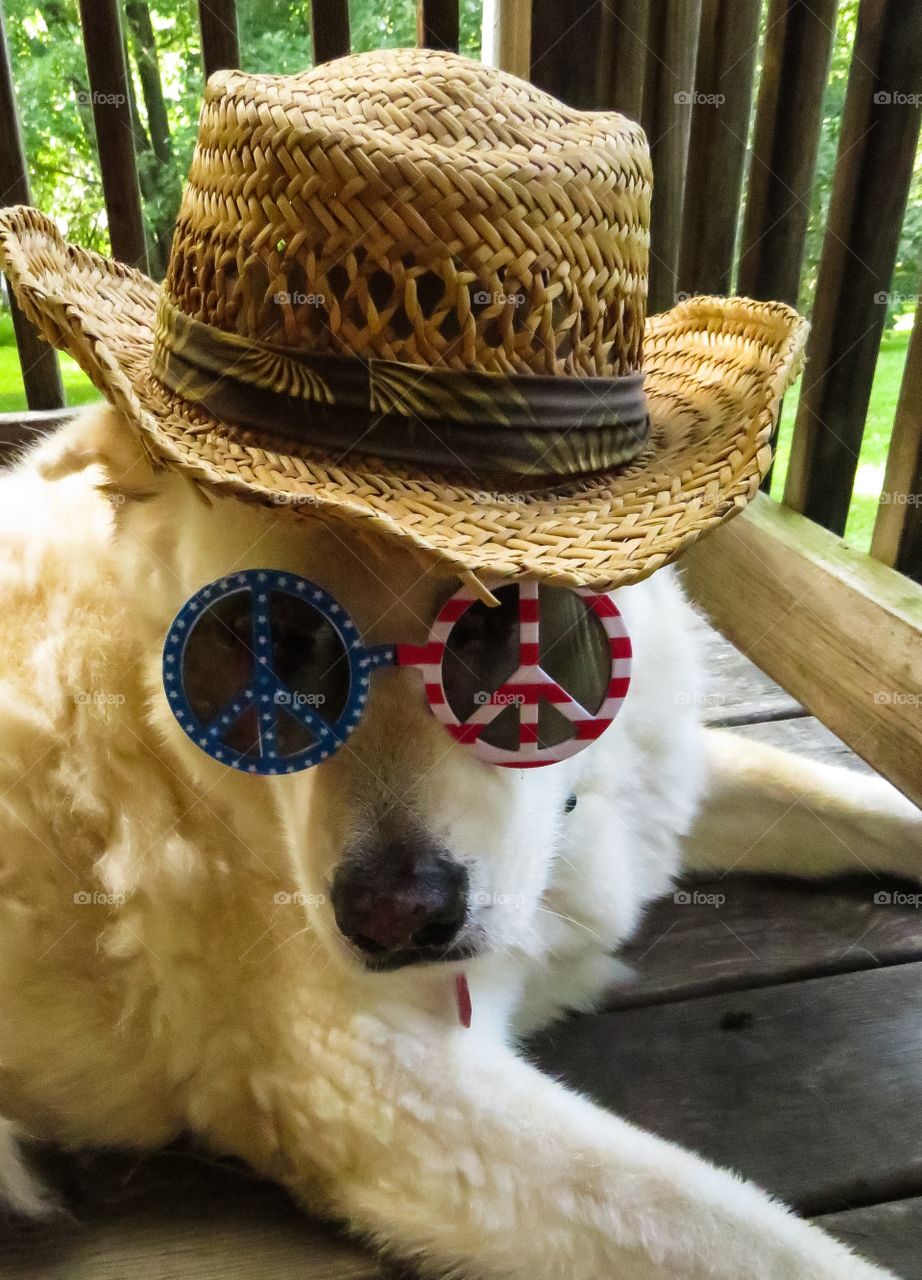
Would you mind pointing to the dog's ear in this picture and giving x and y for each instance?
(100, 437)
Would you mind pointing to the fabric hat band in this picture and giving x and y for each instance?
(532, 425)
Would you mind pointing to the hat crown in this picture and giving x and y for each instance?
(416, 206)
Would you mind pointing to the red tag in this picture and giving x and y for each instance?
(463, 995)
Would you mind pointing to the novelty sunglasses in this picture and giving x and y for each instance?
(267, 673)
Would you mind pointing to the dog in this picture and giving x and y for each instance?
(172, 956)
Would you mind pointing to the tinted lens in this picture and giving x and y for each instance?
(574, 651)
(482, 653)
(307, 657)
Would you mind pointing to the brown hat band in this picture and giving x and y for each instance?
(485, 423)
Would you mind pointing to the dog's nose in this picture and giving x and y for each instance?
(407, 906)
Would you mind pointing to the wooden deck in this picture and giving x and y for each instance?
(780, 1034)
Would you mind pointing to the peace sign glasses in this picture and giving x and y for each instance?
(267, 673)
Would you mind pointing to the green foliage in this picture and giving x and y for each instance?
(57, 121)
(905, 285)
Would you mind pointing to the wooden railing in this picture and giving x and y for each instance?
(839, 629)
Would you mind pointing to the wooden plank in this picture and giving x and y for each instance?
(729, 38)
(110, 100)
(622, 56)
(220, 36)
(897, 537)
(736, 691)
(667, 115)
(330, 29)
(837, 629)
(813, 1089)
(795, 69)
(38, 361)
(437, 24)
(19, 430)
(565, 47)
(740, 932)
(877, 148)
(507, 36)
(888, 1234)
(174, 1214)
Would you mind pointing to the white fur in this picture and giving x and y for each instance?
(185, 994)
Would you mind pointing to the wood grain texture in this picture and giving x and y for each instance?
(729, 38)
(220, 36)
(795, 68)
(437, 24)
(37, 360)
(111, 103)
(736, 691)
(897, 537)
(837, 629)
(888, 1234)
(330, 36)
(739, 932)
(176, 1215)
(511, 36)
(565, 49)
(813, 1089)
(874, 165)
(622, 56)
(667, 117)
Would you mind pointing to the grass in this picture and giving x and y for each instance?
(869, 478)
(868, 482)
(77, 387)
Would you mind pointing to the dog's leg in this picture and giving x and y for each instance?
(766, 810)
(447, 1149)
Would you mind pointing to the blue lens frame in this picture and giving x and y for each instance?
(266, 691)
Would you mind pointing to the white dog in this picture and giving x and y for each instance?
(170, 953)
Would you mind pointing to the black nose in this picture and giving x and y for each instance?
(404, 902)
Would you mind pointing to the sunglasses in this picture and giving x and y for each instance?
(267, 672)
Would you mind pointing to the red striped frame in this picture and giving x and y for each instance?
(529, 684)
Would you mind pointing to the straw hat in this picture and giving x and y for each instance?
(407, 292)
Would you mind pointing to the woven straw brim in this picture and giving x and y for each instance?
(716, 369)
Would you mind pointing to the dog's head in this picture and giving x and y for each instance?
(408, 848)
